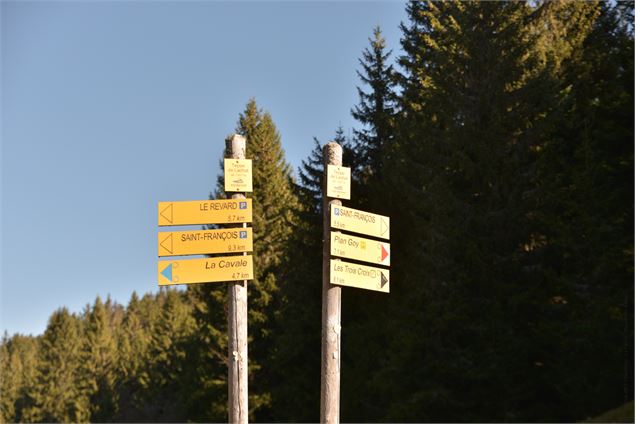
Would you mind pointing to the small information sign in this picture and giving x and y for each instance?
(338, 183)
(238, 176)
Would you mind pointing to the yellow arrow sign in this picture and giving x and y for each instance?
(360, 276)
(205, 270)
(205, 241)
(238, 175)
(205, 212)
(357, 221)
(359, 248)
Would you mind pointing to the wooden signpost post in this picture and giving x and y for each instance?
(337, 272)
(236, 269)
(331, 296)
(239, 172)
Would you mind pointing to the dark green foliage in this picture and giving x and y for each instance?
(296, 348)
(61, 391)
(275, 206)
(376, 110)
(18, 365)
(623, 414)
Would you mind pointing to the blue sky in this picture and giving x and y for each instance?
(109, 107)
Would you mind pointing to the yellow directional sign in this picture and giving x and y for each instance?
(205, 270)
(205, 212)
(357, 221)
(338, 182)
(205, 241)
(359, 248)
(238, 175)
(360, 276)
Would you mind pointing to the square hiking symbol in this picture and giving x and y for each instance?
(336, 211)
(242, 205)
(243, 234)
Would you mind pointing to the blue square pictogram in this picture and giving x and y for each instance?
(336, 211)
(243, 234)
(242, 205)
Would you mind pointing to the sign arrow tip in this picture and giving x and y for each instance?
(384, 253)
(166, 213)
(167, 272)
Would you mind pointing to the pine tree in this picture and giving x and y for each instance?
(586, 171)
(167, 389)
(18, 366)
(376, 109)
(274, 205)
(100, 359)
(295, 363)
(133, 348)
(481, 89)
(59, 393)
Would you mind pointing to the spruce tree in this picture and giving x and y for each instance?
(133, 347)
(60, 393)
(295, 364)
(586, 170)
(274, 203)
(376, 109)
(481, 89)
(100, 360)
(18, 367)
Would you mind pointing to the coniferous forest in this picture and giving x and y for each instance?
(498, 137)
